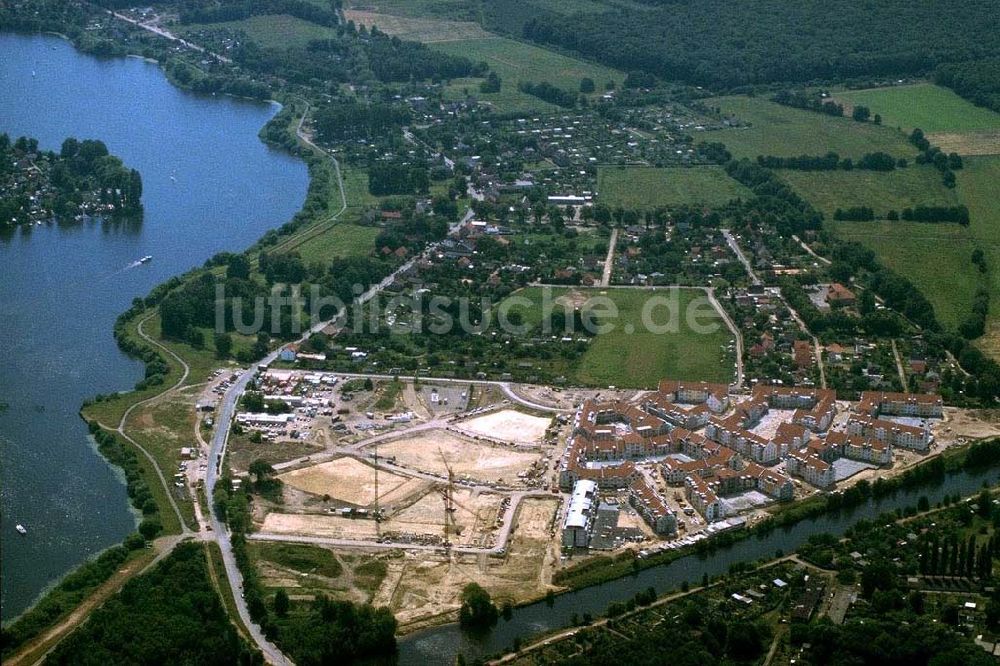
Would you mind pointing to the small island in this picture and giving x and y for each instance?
(82, 179)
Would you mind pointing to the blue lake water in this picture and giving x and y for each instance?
(209, 185)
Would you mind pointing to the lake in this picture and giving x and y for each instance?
(209, 185)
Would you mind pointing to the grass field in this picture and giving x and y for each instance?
(634, 356)
(929, 107)
(649, 187)
(977, 188)
(783, 131)
(882, 191)
(272, 31)
(417, 29)
(342, 240)
(515, 61)
(936, 257)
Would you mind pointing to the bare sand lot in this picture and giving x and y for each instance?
(332, 527)
(474, 518)
(350, 480)
(510, 425)
(428, 451)
(417, 588)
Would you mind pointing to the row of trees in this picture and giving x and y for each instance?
(549, 93)
(877, 161)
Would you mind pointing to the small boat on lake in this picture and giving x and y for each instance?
(145, 260)
(20, 529)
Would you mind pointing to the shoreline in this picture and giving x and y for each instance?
(117, 470)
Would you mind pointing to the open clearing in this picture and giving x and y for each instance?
(916, 185)
(510, 425)
(278, 31)
(515, 61)
(632, 354)
(785, 132)
(967, 143)
(341, 240)
(911, 247)
(650, 187)
(977, 188)
(352, 481)
(468, 459)
(417, 29)
(474, 520)
(924, 105)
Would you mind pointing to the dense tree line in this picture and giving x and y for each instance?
(394, 178)
(855, 214)
(775, 199)
(352, 119)
(726, 45)
(933, 155)
(877, 161)
(956, 214)
(976, 80)
(182, 621)
(220, 11)
(974, 324)
(549, 93)
(800, 100)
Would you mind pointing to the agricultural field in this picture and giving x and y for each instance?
(515, 61)
(936, 257)
(650, 187)
(927, 106)
(916, 185)
(631, 355)
(783, 131)
(432, 451)
(272, 31)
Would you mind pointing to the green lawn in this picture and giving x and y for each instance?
(632, 355)
(784, 131)
(649, 187)
(880, 190)
(929, 107)
(515, 61)
(300, 557)
(271, 31)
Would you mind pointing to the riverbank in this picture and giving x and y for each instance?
(555, 613)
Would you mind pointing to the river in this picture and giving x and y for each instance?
(209, 185)
(441, 644)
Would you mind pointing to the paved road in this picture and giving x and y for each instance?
(817, 349)
(735, 247)
(166, 34)
(809, 250)
(609, 261)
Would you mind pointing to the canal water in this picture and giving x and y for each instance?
(209, 185)
(441, 644)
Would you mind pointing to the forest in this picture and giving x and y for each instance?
(729, 45)
(184, 621)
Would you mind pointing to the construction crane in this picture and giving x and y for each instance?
(448, 495)
(378, 513)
